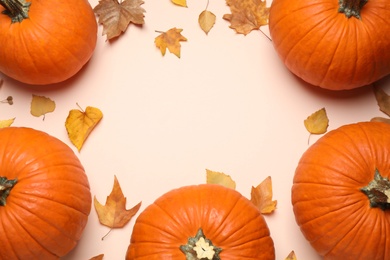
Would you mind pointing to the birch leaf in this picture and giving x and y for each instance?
(318, 122)
(182, 3)
(220, 178)
(206, 20)
(41, 105)
(6, 123)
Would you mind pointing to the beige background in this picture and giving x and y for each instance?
(228, 104)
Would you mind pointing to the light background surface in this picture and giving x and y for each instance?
(228, 105)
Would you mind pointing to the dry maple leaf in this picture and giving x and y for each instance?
(170, 39)
(247, 15)
(182, 3)
(291, 256)
(116, 16)
(114, 213)
(41, 105)
(220, 178)
(79, 124)
(206, 20)
(261, 196)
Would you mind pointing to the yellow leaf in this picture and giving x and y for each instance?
(206, 20)
(247, 15)
(220, 178)
(79, 124)
(7, 122)
(261, 196)
(171, 40)
(182, 3)
(41, 105)
(291, 256)
(114, 213)
(318, 122)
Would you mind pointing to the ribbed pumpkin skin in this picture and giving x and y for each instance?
(48, 208)
(325, 48)
(228, 219)
(52, 45)
(332, 212)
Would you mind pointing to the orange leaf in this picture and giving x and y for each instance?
(114, 213)
(171, 40)
(261, 196)
(247, 15)
(115, 16)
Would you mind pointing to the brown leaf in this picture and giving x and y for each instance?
(206, 20)
(114, 213)
(79, 124)
(220, 178)
(171, 40)
(261, 196)
(318, 122)
(116, 16)
(41, 105)
(291, 256)
(247, 15)
(382, 99)
(98, 257)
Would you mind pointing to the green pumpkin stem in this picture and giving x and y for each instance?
(351, 7)
(17, 10)
(378, 191)
(5, 188)
(200, 248)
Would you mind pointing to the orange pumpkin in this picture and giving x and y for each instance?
(336, 45)
(341, 193)
(207, 221)
(45, 42)
(45, 197)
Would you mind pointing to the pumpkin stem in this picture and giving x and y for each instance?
(5, 188)
(200, 248)
(351, 7)
(17, 10)
(378, 191)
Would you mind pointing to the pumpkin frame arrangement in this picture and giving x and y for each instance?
(45, 42)
(336, 45)
(207, 221)
(341, 193)
(45, 197)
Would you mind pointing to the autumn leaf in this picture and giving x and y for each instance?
(220, 178)
(261, 196)
(171, 40)
(318, 122)
(116, 16)
(291, 256)
(6, 123)
(114, 213)
(9, 100)
(182, 3)
(98, 257)
(382, 99)
(41, 105)
(247, 15)
(206, 20)
(79, 124)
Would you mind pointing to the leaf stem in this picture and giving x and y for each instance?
(109, 231)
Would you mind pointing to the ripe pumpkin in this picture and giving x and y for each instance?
(45, 42)
(337, 45)
(45, 197)
(341, 193)
(206, 221)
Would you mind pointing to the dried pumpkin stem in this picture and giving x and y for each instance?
(378, 191)
(17, 10)
(200, 248)
(351, 7)
(5, 188)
